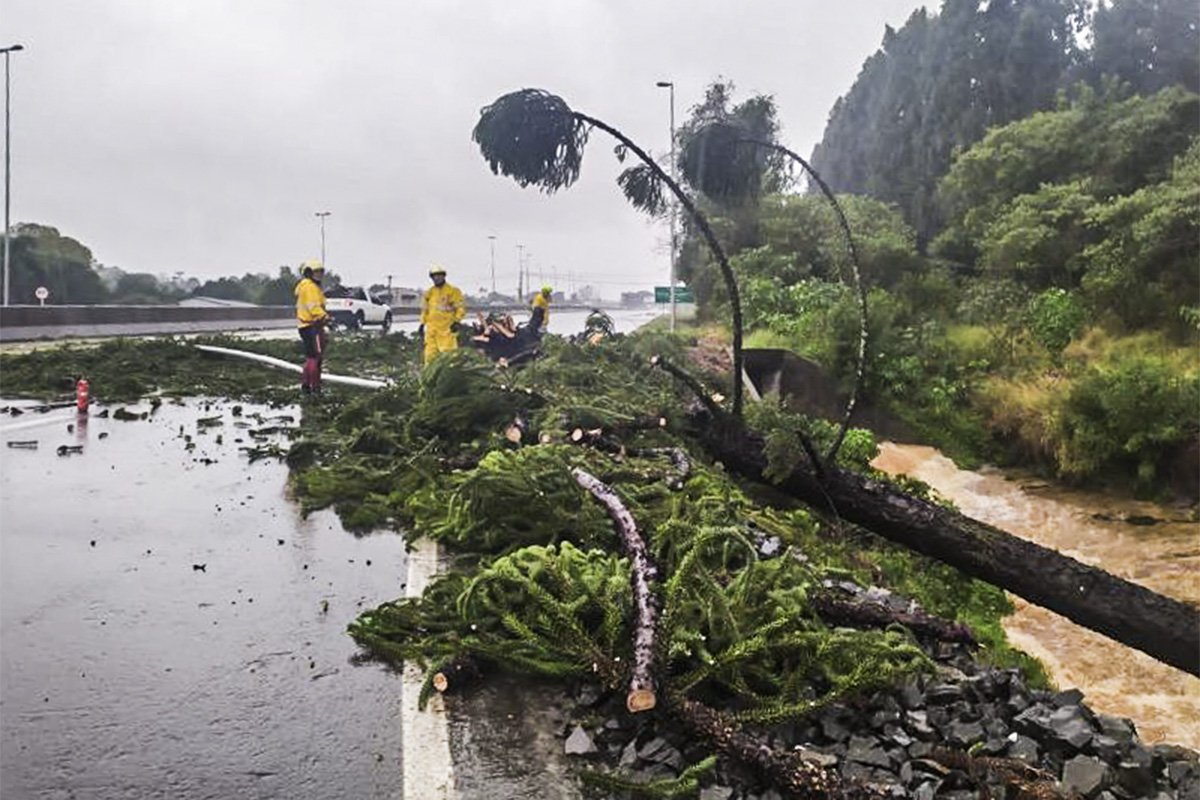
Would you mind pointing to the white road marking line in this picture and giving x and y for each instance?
(425, 739)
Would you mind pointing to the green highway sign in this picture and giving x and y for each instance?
(683, 294)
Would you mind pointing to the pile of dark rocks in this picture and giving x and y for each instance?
(897, 741)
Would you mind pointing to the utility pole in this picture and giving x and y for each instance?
(323, 215)
(520, 272)
(391, 299)
(674, 205)
(8, 51)
(492, 241)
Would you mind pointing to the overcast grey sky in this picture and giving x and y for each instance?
(203, 135)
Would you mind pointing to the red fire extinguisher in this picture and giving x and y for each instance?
(81, 395)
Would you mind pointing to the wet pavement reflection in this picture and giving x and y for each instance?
(171, 627)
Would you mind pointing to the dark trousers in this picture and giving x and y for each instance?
(313, 339)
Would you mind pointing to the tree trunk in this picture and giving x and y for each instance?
(864, 614)
(859, 288)
(786, 771)
(710, 238)
(641, 695)
(1166, 629)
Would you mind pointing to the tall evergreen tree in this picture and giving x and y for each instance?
(41, 256)
(936, 85)
(1149, 44)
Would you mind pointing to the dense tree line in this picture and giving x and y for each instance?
(42, 256)
(941, 81)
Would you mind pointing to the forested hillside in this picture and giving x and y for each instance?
(940, 81)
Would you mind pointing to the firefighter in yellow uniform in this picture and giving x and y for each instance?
(311, 319)
(540, 314)
(441, 312)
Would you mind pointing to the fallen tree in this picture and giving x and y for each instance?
(643, 578)
(1167, 629)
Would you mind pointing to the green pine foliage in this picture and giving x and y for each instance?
(539, 586)
(513, 498)
(686, 785)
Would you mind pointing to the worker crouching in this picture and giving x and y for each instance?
(311, 318)
(441, 312)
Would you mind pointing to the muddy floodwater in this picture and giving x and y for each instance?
(1165, 556)
(171, 628)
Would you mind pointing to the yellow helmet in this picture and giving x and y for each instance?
(313, 264)
(547, 290)
(437, 269)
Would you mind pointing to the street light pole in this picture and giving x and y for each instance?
(674, 205)
(492, 242)
(7, 161)
(323, 215)
(520, 272)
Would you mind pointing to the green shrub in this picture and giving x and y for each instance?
(1055, 317)
(1129, 416)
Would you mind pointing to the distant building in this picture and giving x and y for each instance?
(404, 297)
(636, 299)
(199, 301)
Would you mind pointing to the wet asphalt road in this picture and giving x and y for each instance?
(125, 672)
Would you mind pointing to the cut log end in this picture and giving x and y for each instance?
(513, 434)
(577, 435)
(441, 682)
(640, 700)
(545, 438)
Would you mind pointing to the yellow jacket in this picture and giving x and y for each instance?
(541, 301)
(310, 303)
(443, 305)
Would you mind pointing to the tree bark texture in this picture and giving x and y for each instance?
(680, 463)
(1167, 629)
(641, 695)
(787, 772)
(864, 614)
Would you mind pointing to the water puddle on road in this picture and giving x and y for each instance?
(171, 627)
(1164, 702)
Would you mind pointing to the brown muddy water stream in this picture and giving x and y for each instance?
(1163, 702)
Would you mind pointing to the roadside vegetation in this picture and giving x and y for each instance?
(41, 255)
(1036, 300)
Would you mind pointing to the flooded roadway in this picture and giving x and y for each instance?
(1164, 702)
(172, 628)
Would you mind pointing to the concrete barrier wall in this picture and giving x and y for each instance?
(25, 322)
(24, 316)
(21, 323)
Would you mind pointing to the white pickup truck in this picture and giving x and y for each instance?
(352, 308)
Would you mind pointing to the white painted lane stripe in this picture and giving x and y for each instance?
(428, 772)
(48, 418)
